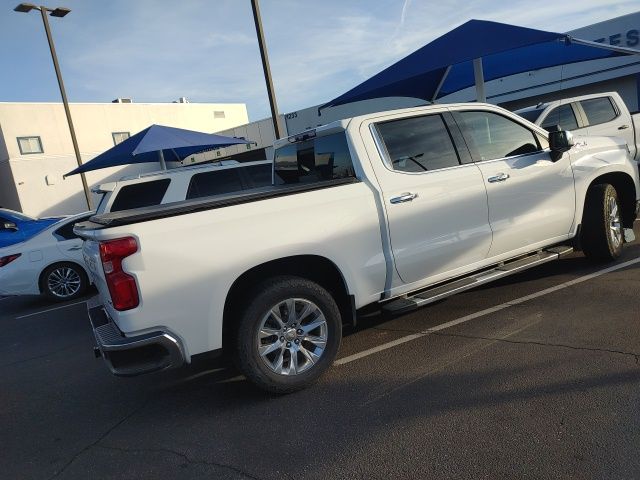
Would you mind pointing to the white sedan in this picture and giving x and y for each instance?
(49, 263)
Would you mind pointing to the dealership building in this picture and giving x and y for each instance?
(36, 149)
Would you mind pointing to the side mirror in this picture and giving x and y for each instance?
(9, 226)
(560, 142)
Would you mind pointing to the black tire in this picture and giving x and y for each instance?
(271, 295)
(599, 242)
(76, 286)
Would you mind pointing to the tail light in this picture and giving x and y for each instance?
(122, 286)
(8, 259)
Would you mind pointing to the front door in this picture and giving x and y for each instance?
(531, 197)
(436, 203)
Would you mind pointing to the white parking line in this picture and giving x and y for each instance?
(482, 313)
(50, 309)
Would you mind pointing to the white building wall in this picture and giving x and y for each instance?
(260, 133)
(39, 187)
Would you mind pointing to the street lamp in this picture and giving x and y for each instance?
(262, 45)
(59, 12)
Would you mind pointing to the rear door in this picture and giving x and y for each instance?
(434, 196)
(531, 198)
(605, 118)
(68, 243)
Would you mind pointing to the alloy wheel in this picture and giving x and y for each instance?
(292, 336)
(64, 282)
(615, 226)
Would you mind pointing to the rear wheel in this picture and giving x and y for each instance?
(64, 281)
(602, 230)
(288, 335)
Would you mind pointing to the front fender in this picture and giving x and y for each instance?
(593, 158)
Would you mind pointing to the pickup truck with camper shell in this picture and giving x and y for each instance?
(599, 114)
(396, 209)
(184, 183)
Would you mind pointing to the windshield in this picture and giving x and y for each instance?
(531, 115)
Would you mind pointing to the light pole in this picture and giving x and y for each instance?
(277, 125)
(59, 12)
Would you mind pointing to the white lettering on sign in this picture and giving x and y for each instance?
(630, 38)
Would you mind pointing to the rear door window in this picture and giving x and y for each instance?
(66, 231)
(139, 195)
(216, 182)
(418, 144)
(562, 118)
(599, 110)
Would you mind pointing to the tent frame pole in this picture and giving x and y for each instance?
(439, 87)
(478, 74)
(163, 164)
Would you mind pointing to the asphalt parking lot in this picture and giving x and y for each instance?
(535, 376)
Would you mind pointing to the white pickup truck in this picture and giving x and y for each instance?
(601, 114)
(398, 208)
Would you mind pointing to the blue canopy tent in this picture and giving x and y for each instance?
(157, 143)
(475, 51)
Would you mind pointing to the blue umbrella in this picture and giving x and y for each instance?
(157, 143)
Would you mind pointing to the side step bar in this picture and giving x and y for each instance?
(433, 294)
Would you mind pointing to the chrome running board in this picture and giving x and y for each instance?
(433, 294)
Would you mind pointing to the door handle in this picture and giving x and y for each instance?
(405, 197)
(623, 127)
(501, 177)
(77, 247)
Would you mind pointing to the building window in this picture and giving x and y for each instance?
(29, 145)
(219, 114)
(119, 137)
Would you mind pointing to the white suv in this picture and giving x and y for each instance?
(183, 183)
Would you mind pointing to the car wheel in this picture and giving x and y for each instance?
(64, 281)
(602, 230)
(288, 335)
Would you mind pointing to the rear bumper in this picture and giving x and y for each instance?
(136, 355)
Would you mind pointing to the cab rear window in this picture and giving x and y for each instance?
(314, 160)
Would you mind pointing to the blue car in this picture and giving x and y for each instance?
(16, 227)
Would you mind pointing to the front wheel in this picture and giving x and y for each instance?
(602, 230)
(288, 335)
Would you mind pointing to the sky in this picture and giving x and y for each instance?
(206, 50)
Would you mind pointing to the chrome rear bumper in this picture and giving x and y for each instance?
(130, 356)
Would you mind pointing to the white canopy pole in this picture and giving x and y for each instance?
(439, 87)
(479, 76)
(605, 46)
(163, 165)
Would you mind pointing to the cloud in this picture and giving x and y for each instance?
(159, 50)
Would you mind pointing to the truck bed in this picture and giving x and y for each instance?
(146, 214)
